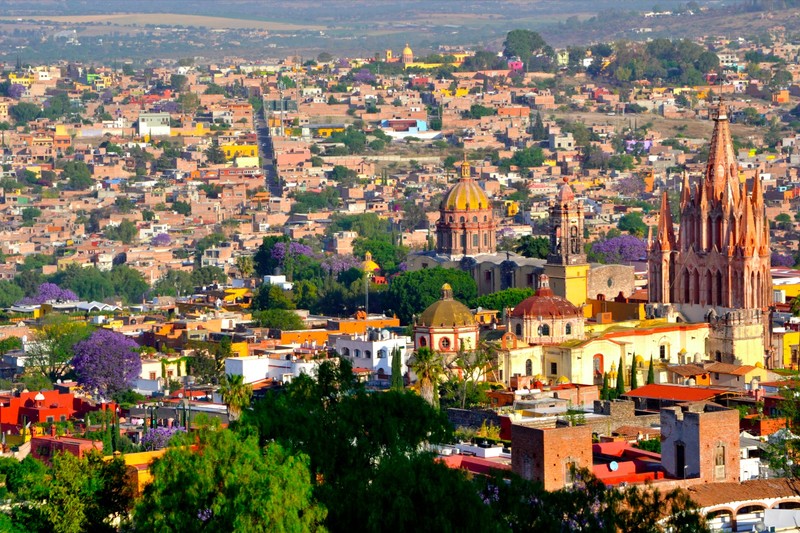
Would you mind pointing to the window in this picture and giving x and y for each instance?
(423, 342)
(50, 419)
(169, 373)
(152, 375)
(554, 369)
(346, 352)
(568, 329)
(382, 353)
(461, 219)
(475, 239)
(518, 330)
(368, 354)
(544, 330)
(358, 352)
(63, 418)
(719, 463)
(486, 239)
(474, 219)
(662, 351)
(444, 343)
(528, 367)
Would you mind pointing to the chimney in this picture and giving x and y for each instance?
(53, 430)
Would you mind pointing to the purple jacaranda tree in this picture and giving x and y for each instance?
(622, 249)
(49, 292)
(16, 91)
(364, 76)
(295, 249)
(336, 264)
(781, 260)
(158, 438)
(106, 362)
(162, 239)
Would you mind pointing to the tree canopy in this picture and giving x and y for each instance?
(412, 292)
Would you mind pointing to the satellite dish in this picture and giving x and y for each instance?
(760, 526)
(613, 466)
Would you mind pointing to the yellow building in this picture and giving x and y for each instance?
(232, 151)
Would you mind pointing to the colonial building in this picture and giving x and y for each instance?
(466, 224)
(717, 268)
(566, 265)
(545, 318)
(446, 326)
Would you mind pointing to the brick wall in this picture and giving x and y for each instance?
(546, 455)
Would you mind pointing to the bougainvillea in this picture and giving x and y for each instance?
(158, 438)
(49, 292)
(106, 362)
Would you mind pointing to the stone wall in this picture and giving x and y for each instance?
(618, 413)
(472, 418)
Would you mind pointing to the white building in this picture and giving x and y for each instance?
(250, 368)
(373, 350)
(154, 124)
(280, 281)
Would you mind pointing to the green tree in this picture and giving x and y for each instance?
(24, 112)
(214, 154)
(428, 367)
(78, 175)
(634, 375)
(236, 394)
(784, 221)
(213, 486)
(245, 265)
(605, 392)
(174, 283)
(280, 319)
(30, 214)
(51, 352)
(272, 297)
(413, 292)
(522, 44)
(633, 224)
(397, 369)
(125, 232)
(620, 390)
(10, 293)
(531, 246)
(651, 375)
(507, 298)
(182, 208)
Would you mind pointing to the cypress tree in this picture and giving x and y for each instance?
(605, 393)
(397, 364)
(651, 373)
(620, 378)
(634, 377)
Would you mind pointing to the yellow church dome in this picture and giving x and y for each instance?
(368, 265)
(407, 50)
(446, 312)
(465, 195)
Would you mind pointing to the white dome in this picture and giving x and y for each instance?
(39, 397)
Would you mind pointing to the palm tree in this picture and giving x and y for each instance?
(245, 265)
(428, 367)
(235, 394)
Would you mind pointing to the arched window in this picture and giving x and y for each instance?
(568, 328)
(544, 330)
(346, 352)
(423, 342)
(485, 218)
(367, 354)
(450, 218)
(461, 219)
(358, 352)
(474, 219)
(475, 239)
(444, 343)
(486, 239)
(382, 353)
(518, 330)
(528, 367)
(597, 365)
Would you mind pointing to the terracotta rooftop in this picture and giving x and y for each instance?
(707, 495)
(675, 392)
(687, 370)
(727, 368)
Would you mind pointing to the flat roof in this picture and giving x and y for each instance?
(674, 392)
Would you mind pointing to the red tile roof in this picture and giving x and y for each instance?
(674, 392)
(710, 494)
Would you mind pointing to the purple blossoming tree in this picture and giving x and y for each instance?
(162, 239)
(781, 260)
(106, 362)
(49, 292)
(295, 249)
(336, 264)
(622, 249)
(158, 438)
(16, 91)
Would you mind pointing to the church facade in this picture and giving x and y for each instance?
(716, 269)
